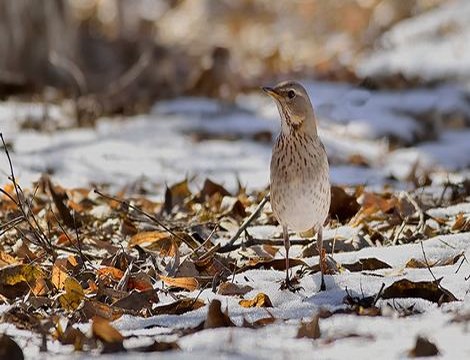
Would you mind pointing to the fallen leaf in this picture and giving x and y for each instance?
(423, 348)
(137, 301)
(158, 346)
(367, 264)
(211, 188)
(420, 264)
(175, 195)
(216, 318)
(343, 206)
(9, 349)
(179, 307)
(160, 241)
(310, 329)
(428, 290)
(229, 288)
(187, 283)
(6, 259)
(72, 336)
(92, 308)
(260, 300)
(73, 296)
(60, 198)
(111, 338)
(461, 223)
(17, 280)
(111, 272)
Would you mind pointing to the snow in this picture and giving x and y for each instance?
(163, 146)
(438, 38)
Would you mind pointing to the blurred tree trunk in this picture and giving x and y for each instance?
(30, 31)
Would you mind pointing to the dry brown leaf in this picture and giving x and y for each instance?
(367, 264)
(215, 317)
(310, 329)
(461, 223)
(161, 241)
(429, 290)
(187, 283)
(158, 346)
(176, 195)
(260, 300)
(343, 206)
(148, 237)
(6, 259)
(9, 349)
(229, 288)
(17, 280)
(140, 281)
(108, 335)
(92, 308)
(110, 272)
(73, 296)
(137, 301)
(423, 348)
(179, 307)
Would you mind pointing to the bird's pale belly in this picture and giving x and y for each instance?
(301, 204)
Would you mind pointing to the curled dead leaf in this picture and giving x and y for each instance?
(423, 348)
(73, 295)
(429, 290)
(310, 329)
(215, 317)
(187, 283)
(229, 288)
(179, 306)
(17, 280)
(367, 264)
(260, 300)
(111, 338)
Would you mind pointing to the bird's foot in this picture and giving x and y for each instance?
(291, 285)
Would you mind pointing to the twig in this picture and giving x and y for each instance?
(427, 264)
(38, 233)
(271, 242)
(379, 294)
(419, 210)
(151, 217)
(245, 224)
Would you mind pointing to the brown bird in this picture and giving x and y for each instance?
(300, 185)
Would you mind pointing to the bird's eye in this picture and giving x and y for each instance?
(291, 94)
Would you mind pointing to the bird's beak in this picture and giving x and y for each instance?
(271, 92)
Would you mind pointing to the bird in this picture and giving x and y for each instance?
(300, 190)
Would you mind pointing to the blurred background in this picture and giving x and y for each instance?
(103, 58)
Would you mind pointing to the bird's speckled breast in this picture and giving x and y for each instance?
(300, 186)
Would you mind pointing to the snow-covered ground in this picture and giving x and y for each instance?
(384, 337)
(188, 137)
(431, 46)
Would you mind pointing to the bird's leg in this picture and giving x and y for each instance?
(320, 257)
(287, 246)
(290, 284)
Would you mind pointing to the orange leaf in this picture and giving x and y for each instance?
(103, 330)
(6, 259)
(187, 283)
(58, 277)
(112, 272)
(148, 237)
(260, 300)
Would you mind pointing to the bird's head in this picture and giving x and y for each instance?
(294, 106)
